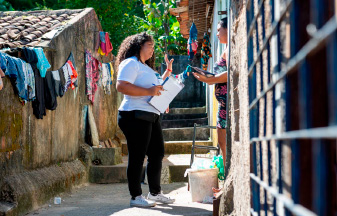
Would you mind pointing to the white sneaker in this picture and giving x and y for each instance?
(161, 198)
(140, 201)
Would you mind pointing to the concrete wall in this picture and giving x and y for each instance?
(27, 143)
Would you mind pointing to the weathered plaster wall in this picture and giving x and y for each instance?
(27, 143)
(236, 199)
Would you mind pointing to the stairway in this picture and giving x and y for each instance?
(178, 135)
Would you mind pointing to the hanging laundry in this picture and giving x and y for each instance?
(50, 94)
(105, 44)
(91, 75)
(16, 73)
(42, 64)
(29, 81)
(184, 75)
(2, 75)
(106, 79)
(63, 81)
(205, 51)
(192, 45)
(108, 44)
(57, 83)
(39, 107)
(32, 81)
(66, 74)
(3, 62)
(73, 76)
(111, 71)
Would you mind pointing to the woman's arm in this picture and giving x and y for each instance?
(218, 78)
(127, 88)
(168, 71)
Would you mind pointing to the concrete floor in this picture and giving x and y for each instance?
(113, 199)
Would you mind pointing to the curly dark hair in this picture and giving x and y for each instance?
(131, 47)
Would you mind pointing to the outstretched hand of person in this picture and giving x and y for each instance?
(168, 63)
(200, 77)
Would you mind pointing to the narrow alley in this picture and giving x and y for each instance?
(168, 107)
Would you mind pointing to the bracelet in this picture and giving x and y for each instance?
(169, 70)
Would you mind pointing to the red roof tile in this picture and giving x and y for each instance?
(26, 28)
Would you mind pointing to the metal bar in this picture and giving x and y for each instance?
(256, 187)
(272, 3)
(332, 79)
(288, 203)
(254, 22)
(271, 33)
(320, 177)
(313, 45)
(279, 166)
(193, 145)
(317, 12)
(313, 133)
(305, 95)
(295, 171)
(261, 177)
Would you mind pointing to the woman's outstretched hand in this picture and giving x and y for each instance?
(200, 77)
(168, 63)
(155, 90)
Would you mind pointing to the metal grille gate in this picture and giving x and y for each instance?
(309, 93)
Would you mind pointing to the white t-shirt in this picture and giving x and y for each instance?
(139, 74)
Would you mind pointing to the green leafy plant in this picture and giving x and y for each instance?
(5, 6)
(164, 28)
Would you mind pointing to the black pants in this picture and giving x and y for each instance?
(143, 138)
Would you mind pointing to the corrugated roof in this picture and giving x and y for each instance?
(29, 28)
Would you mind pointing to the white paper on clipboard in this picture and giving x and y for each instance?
(171, 88)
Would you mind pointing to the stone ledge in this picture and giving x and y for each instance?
(28, 190)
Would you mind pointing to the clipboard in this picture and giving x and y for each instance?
(203, 72)
(171, 89)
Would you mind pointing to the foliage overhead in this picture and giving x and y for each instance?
(5, 6)
(122, 18)
(164, 28)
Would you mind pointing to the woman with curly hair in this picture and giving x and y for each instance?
(138, 120)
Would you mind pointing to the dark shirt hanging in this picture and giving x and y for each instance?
(39, 106)
(50, 94)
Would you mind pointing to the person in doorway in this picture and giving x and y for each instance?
(220, 81)
(138, 120)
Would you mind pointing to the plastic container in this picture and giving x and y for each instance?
(201, 183)
(57, 200)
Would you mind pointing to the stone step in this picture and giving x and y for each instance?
(107, 156)
(185, 147)
(193, 110)
(185, 134)
(173, 170)
(186, 104)
(182, 123)
(171, 116)
(178, 147)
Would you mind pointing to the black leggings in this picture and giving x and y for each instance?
(143, 138)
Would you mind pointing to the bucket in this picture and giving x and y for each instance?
(201, 183)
